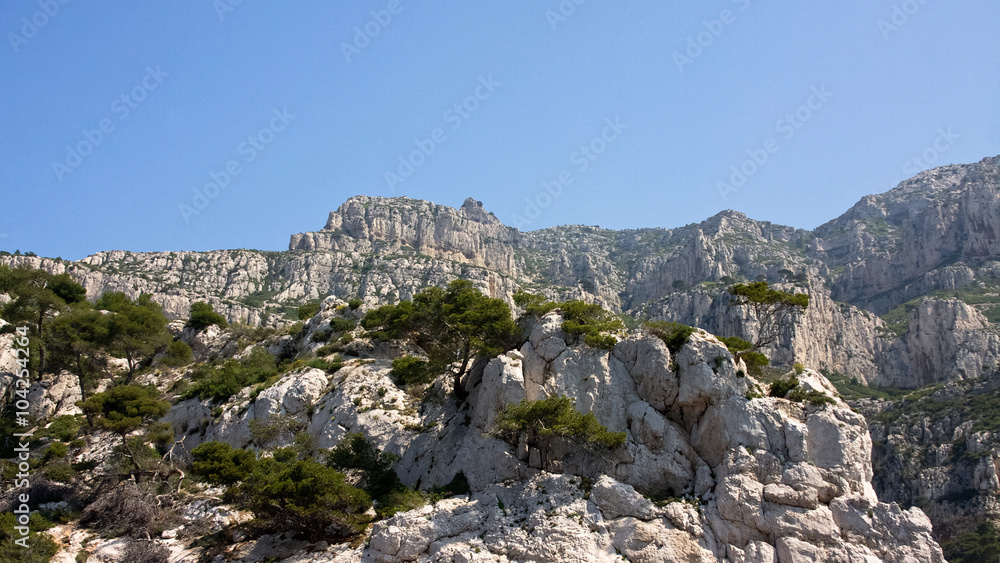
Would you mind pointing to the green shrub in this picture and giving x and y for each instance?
(533, 304)
(781, 387)
(981, 544)
(329, 366)
(308, 310)
(355, 303)
(755, 361)
(815, 398)
(799, 368)
(203, 316)
(400, 499)
(589, 319)
(40, 547)
(456, 323)
(322, 335)
(604, 341)
(735, 344)
(327, 350)
(220, 464)
(338, 324)
(554, 416)
(221, 382)
(60, 472)
(64, 427)
(178, 354)
(286, 493)
(55, 450)
(579, 319)
(674, 335)
(411, 370)
(354, 452)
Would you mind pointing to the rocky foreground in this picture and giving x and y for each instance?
(712, 469)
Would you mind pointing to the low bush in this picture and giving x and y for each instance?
(591, 321)
(285, 492)
(354, 452)
(338, 324)
(322, 335)
(40, 547)
(221, 382)
(64, 427)
(308, 310)
(273, 430)
(814, 398)
(554, 416)
(674, 335)
(178, 354)
(329, 366)
(221, 464)
(290, 494)
(411, 370)
(781, 387)
(203, 316)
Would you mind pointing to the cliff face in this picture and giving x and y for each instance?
(762, 478)
(934, 220)
(937, 449)
(936, 235)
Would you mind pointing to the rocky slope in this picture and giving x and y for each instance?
(938, 449)
(745, 478)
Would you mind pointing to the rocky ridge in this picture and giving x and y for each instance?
(746, 478)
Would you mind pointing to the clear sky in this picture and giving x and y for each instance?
(114, 113)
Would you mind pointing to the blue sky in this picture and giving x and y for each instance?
(645, 111)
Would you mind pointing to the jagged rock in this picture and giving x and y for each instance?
(55, 397)
(764, 479)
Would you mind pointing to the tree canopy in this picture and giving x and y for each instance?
(125, 409)
(773, 310)
(37, 296)
(452, 324)
(203, 316)
(138, 329)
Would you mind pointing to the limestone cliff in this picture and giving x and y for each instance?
(746, 478)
